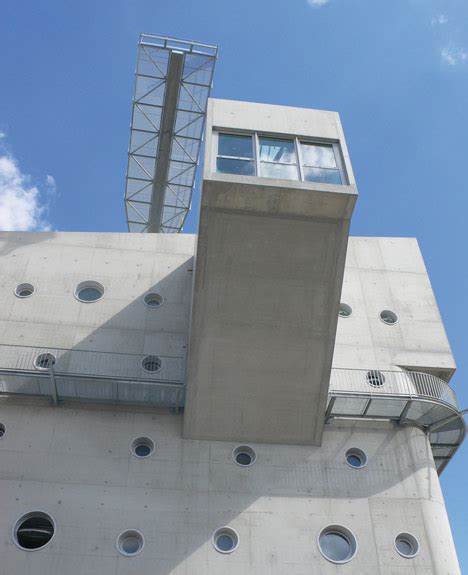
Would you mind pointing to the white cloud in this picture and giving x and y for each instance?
(22, 205)
(439, 19)
(453, 56)
(2, 135)
(316, 3)
(51, 186)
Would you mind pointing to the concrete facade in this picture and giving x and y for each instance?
(74, 462)
(389, 274)
(269, 268)
(76, 465)
(273, 261)
(128, 266)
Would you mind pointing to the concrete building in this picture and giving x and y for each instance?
(270, 396)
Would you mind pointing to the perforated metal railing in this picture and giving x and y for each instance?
(383, 383)
(91, 376)
(406, 397)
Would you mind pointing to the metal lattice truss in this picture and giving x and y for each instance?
(173, 80)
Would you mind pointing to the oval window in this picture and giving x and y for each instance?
(24, 290)
(34, 530)
(225, 540)
(337, 544)
(130, 542)
(89, 291)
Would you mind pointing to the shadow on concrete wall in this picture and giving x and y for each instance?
(318, 473)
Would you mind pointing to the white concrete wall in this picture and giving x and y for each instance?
(389, 273)
(76, 465)
(127, 265)
(269, 270)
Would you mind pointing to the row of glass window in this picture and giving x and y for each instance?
(87, 292)
(243, 455)
(336, 543)
(387, 316)
(283, 158)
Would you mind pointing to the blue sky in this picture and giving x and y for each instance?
(397, 71)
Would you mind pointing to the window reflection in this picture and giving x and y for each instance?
(235, 146)
(318, 155)
(269, 157)
(234, 166)
(322, 175)
(281, 171)
(274, 150)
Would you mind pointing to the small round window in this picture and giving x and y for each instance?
(356, 458)
(24, 290)
(142, 447)
(225, 540)
(375, 378)
(89, 291)
(153, 299)
(388, 317)
(407, 545)
(45, 361)
(130, 542)
(244, 455)
(34, 530)
(151, 363)
(337, 544)
(2, 430)
(345, 310)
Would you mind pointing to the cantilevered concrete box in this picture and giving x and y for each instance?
(269, 272)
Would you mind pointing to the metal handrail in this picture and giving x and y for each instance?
(91, 364)
(379, 383)
(406, 397)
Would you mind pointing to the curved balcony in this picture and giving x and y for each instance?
(407, 397)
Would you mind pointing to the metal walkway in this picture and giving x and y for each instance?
(92, 376)
(406, 397)
(173, 80)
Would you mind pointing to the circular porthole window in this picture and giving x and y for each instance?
(34, 530)
(151, 363)
(142, 447)
(244, 456)
(337, 544)
(2, 430)
(345, 310)
(356, 458)
(225, 540)
(407, 545)
(45, 361)
(375, 378)
(89, 291)
(153, 299)
(130, 542)
(24, 290)
(388, 317)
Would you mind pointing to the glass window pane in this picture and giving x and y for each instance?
(281, 171)
(404, 547)
(318, 155)
(274, 150)
(322, 175)
(235, 146)
(335, 546)
(243, 167)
